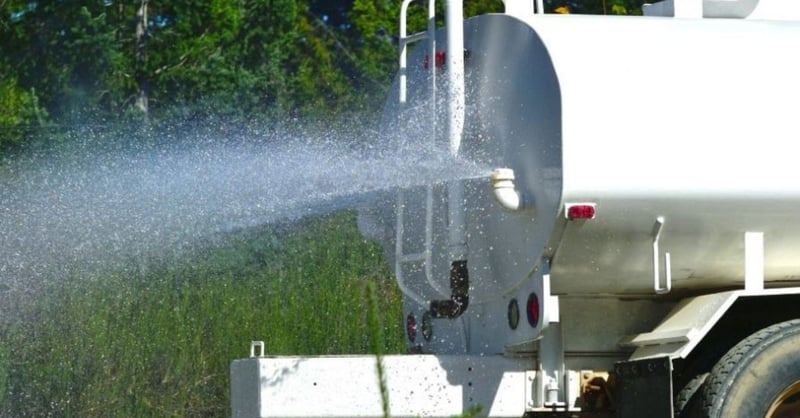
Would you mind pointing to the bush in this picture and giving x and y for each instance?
(19, 112)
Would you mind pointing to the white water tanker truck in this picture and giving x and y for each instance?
(636, 251)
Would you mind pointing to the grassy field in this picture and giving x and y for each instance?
(157, 340)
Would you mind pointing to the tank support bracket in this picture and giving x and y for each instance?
(754, 261)
(659, 289)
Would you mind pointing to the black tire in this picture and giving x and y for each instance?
(755, 374)
(688, 401)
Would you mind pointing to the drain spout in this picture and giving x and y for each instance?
(459, 296)
(506, 193)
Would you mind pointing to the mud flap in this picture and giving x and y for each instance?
(645, 388)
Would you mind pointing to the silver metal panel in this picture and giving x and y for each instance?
(418, 385)
(706, 142)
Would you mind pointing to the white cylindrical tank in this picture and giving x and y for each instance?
(690, 121)
(693, 121)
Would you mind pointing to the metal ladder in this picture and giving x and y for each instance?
(425, 257)
(402, 258)
(405, 40)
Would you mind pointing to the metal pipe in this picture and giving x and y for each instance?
(456, 221)
(454, 19)
(459, 296)
(454, 61)
(505, 191)
(457, 232)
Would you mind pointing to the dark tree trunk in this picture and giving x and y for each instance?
(141, 58)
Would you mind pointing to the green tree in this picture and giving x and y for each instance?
(316, 65)
(67, 52)
(19, 111)
(197, 59)
(266, 42)
(375, 26)
(597, 7)
(191, 55)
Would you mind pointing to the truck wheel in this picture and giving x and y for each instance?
(759, 377)
(688, 402)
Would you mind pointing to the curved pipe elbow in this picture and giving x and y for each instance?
(459, 298)
(508, 198)
(505, 193)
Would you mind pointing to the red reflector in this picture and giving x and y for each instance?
(411, 327)
(581, 211)
(440, 56)
(439, 59)
(533, 309)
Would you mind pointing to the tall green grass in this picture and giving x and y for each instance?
(158, 342)
(3, 373)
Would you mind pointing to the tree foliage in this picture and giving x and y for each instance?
(18, 110)
(600, 7)
(193, 60)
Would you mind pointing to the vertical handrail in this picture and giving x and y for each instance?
(455, 67)
(403, 43)
(404, 40)
(431, 36)
(429, 240)
(399, 254)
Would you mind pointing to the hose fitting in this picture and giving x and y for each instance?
(505, 192)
